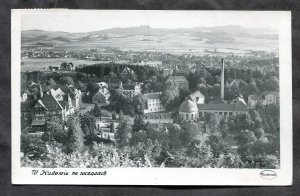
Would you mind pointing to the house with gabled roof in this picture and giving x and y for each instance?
(46, 107)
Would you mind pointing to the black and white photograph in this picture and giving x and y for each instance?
(100, 92)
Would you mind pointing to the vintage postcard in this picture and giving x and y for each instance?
(133, 97)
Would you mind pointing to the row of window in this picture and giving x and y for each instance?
(156, 109)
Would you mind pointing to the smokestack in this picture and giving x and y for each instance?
(222, 80)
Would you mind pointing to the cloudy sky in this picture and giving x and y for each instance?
(92, 20)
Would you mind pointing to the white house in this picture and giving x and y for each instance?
(271, 97)
(198, 97)
(153, 103)
(266, 98)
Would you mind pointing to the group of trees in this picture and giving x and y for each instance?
(142, 73)
(128, 105)
(249, 81)
(172, 95)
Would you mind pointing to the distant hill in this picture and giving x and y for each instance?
(136, 37)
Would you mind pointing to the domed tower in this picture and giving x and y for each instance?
(188, 110)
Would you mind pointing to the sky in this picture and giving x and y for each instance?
(94, 20)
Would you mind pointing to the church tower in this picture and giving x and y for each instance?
(222, 80)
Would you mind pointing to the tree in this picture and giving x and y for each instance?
(123, 135)
(112, 127)
(138, 137)
(243, 122)
(245, 137)
(67, 81)
(88, 126)
(190, 132)
(259, 132)
(218, 145)
(113, 117)
(81, 86)
(97, 111)
(174, 134)
(33, 147)
(170, 94)
(139, 123)
(201, 152)
(51, 82)
(139, 102)
(272, 84)
(74, 135)
(121, 115)
(55, 131)
(214, 122)
(230, 160)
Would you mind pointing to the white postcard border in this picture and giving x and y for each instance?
(161, 176)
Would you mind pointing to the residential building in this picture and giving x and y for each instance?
(153, 103)
(266, 98)
(167, 72)
(48, 106)
(198, 97)
(130, 90)
(67, 93)
(101, 97)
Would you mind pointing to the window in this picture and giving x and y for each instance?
(187, 116)
(192, 116)
(230, 113)
(220, 113)
(225, 113)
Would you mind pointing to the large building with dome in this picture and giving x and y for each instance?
(191, 110)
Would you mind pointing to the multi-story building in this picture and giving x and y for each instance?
(153, 103)
(130, 90)
(266, 98)
(49, 106)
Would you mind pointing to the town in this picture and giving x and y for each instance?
(156, 109)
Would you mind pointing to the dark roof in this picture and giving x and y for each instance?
(65, 89)
(152, 95)
(223, 107)
(177, 79)
(217, 101)
(50, 102)
(64, 104)
(256, 97)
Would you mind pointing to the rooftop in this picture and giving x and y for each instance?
(177, 79)
(188, 106)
